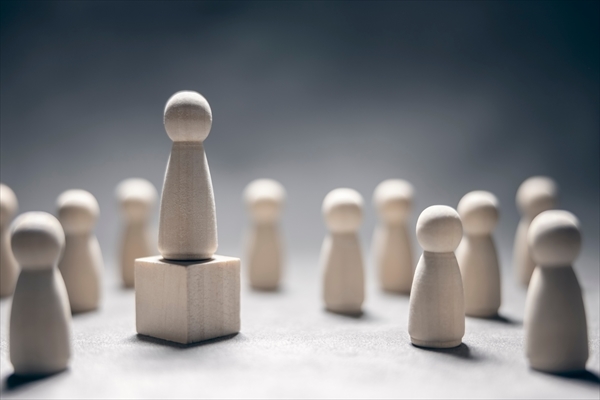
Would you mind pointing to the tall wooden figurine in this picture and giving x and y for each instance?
(190, 294)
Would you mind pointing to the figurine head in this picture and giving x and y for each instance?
(537, 194)
(342, 210)
(8, 204)
(478, 212)
(393, 199)
(554, 238)
(188, 117)
(78, 211)
(439, 229)
(37, 241)
(264, 199)
(137, 197)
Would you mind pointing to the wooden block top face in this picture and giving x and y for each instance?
(216, 259)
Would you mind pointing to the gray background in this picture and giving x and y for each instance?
(453, 96)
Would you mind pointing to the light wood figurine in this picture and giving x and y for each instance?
(189, 294)
(341, 254)
(437, 309)
(81, 264)
(392, 246)
(9, 270)
(136, 198)
(556, 338)
(264, 248)
(40, 316)
(477, 255)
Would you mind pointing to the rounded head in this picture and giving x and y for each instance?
(342, 209)
(137, 197)
(37, 240)
(393, 200)
(188, 117)
(264, 198)
(554, 238)
(8, 204)
(78, 211)
(439, 229)
(478, 212)
(537, 194)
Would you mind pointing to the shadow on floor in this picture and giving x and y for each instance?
(149, 339)
(356, 315)
(266, 292)
(82, 314)
(14, 381)
(585, 376)
(394, 295)
(462, 351)
(504, 320)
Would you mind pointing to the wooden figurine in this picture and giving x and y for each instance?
(437, 311)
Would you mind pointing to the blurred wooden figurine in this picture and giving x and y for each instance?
(136, 198)
(81, 265)
(264, 253)
(9, 270)
(477, 255)
(392, 247)
(535, 195)
(341, 254)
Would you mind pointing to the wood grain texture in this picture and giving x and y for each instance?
(188, 220)
(437, 309)
(187, 302)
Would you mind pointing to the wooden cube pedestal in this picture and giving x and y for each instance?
(187, 301)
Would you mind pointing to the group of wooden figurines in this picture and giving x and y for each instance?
(53, 267)
(458, 273)
(443, 288)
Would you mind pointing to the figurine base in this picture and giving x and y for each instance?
(187, 301)
(435, 344)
